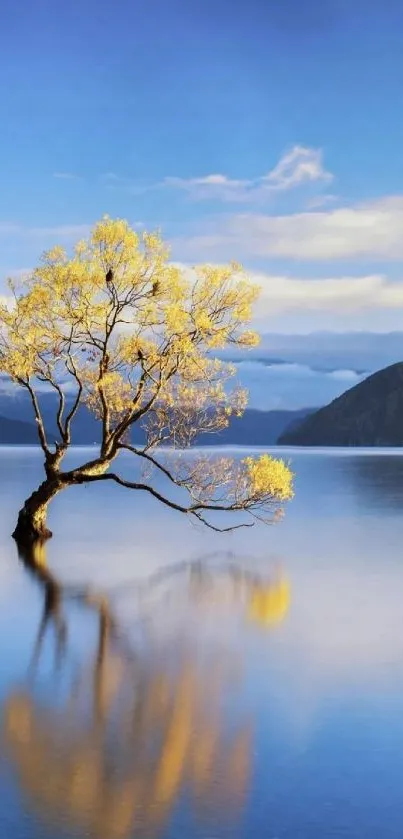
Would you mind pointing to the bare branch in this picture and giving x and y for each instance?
(80, 477)
(38, 416)
(178, 482)
(152, 460)
(72, 413)
(59, 417)
(222, 529)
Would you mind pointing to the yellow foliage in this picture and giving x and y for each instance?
(269, 475)
(269, 604)
(135, 335)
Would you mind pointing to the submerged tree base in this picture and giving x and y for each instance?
(29, 530)
(26, 534)
(31, 523)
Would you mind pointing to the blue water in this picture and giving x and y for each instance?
(195, 713)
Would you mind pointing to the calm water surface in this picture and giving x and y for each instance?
(243, 685)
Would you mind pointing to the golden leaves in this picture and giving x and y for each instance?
(119, 281)
(116, 390)
(270, 476)
(139, 334)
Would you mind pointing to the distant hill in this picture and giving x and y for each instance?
(14, 431)
(255, 428)
(18, 407)
(370, 414)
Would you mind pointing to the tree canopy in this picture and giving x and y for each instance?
(117, 326)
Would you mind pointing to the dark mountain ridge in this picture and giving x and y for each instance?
(13, 431)
(369, 414)
(255, 428)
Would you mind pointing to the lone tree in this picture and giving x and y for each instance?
(133, 337)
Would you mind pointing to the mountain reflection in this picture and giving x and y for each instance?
(377, 481)
(133, 735)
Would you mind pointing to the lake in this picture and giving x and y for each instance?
(247, 684)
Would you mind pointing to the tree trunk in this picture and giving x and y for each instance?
(31, 524)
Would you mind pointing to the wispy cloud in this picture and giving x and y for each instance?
(61, 231)
(298, 166)
(66, 176)
(372, 229)
(9, 228)
(361, 351)
(113, 178)
(320, 201)
(47, 236)
(212, 186)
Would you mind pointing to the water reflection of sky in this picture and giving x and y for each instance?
(318, 691)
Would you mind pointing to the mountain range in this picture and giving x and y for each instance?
(16, 431)
(256, 428)
(369, 414)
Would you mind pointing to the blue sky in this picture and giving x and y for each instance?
(266, 132)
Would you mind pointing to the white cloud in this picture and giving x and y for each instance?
(7, 300)
(8, 387)
(347, 376)
(67, 386)
(282, 294)
(372, 229)
(292, 386)
(300, 165)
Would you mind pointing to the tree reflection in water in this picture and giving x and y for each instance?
(134, 734)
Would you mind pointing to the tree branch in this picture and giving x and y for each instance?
(74, 407)
(222, 529)
(195, 510)
(38, 416)
(60, 409)
(180, 483)
(150, 459)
